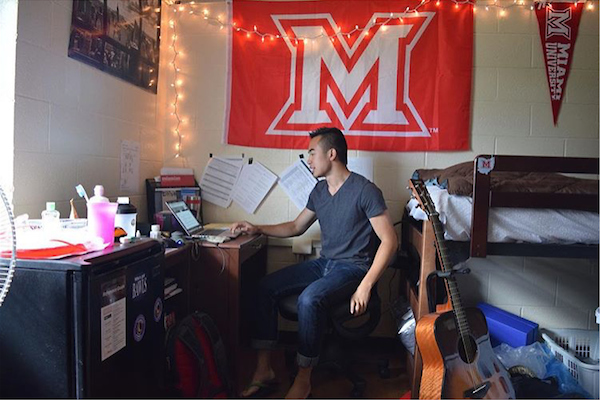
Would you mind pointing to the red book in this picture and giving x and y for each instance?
(177, 180)
(177, 177)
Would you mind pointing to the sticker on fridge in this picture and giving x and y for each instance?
(113, 316)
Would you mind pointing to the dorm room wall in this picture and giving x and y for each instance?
(511, 114)
(8, 38)
(70, 118)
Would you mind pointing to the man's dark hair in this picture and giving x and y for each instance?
(332, 138)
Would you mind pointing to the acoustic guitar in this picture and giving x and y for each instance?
(458, 360)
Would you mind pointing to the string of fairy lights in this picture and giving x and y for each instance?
(177, 82)
(199, 8)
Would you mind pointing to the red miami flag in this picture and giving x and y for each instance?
(390, 78)
(559, 23)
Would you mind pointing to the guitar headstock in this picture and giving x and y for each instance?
(422, 195)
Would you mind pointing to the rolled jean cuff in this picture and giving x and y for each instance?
(258, 344)
(306, 362)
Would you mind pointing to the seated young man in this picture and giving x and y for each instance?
(349, 208)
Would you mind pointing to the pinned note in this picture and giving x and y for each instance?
(297, 182)
(253, 185)
(219, 179)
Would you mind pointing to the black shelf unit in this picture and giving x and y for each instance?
(155, 194)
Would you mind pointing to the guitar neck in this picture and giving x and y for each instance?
(461, 320)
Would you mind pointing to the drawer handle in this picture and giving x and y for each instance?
(257, 246)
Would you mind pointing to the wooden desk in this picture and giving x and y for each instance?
(223, 281)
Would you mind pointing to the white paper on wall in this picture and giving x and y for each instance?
(219, 179)
(362, 166)
(297, 182)
(253, 185)
(130, 166)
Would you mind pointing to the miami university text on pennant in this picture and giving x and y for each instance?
(559, 23)
(391, 79)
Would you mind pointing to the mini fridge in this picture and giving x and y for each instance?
(85, 326)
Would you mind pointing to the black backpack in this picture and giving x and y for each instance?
(196, 360)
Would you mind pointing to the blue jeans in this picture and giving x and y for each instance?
(322, 283)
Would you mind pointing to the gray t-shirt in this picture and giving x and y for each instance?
(346, 232)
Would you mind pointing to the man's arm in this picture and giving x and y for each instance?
(384, 229)
(287, 229)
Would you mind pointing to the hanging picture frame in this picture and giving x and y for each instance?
(120, 37)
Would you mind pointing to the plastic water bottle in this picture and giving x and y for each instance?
(51, 219)
(98, 196)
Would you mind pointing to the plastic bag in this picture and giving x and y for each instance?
(406, 324)
(566, 382)
(406, 331)
(533, 357)
(540, 360)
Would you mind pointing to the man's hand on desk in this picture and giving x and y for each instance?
(244, 227)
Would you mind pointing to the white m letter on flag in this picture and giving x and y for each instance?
(362, 85)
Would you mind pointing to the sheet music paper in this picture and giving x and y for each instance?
(362, 166)
(297, 182)
(219, 179)
(253, 185)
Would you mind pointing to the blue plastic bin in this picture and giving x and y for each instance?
(508, 328)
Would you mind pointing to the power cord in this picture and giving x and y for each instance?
(196, 253)
(396, 265)
(222, 258)
(196, 250)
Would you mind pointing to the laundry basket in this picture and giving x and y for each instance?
(578, 351)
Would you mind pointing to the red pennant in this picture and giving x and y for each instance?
(559, 23)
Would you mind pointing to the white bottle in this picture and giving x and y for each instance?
(155, 232)
(126, 216)
(98, 196)
(51, 219)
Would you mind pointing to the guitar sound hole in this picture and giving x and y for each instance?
(467, 349)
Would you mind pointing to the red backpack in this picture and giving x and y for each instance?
(196, 360)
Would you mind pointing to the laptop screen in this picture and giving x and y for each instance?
(184, 216)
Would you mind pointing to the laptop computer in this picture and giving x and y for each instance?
(193, 228)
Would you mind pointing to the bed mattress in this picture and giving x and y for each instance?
(508, 225)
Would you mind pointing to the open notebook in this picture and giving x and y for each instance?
(193, 228)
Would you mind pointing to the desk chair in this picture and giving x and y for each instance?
(346, 329)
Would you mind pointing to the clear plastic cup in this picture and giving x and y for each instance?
(101, 220)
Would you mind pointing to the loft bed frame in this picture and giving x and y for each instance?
(419, 241)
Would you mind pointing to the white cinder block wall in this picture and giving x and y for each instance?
(70, 118)
(8, 38)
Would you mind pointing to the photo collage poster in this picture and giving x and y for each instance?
(120, 37)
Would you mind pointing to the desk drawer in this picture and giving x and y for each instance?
(252, 247)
